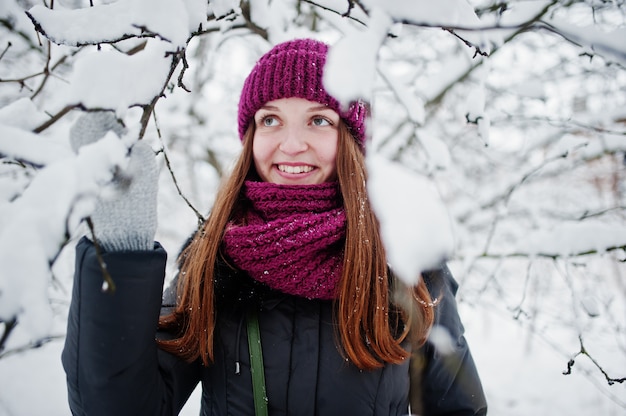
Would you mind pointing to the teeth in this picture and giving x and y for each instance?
(295, 169)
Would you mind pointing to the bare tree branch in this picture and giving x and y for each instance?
(545, 254)
(518, 29)
(55, 118)
(199, 216)
(108, 285)
(583, 351)
(351, 4)
(9, 24)
(245, 12)
(9, 326)
(37, 344)
(506, 194)
(5, 50)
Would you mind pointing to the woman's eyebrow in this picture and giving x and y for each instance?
(318, 108)
(269, 107)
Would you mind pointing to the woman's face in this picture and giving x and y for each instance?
(295, 142)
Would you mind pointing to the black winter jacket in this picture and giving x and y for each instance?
(114, 367)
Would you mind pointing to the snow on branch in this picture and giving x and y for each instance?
(415, 226)
(67, 187)
(575, 238)
(109, 23)
(610, 44)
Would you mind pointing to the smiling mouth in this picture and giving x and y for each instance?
(295, 169)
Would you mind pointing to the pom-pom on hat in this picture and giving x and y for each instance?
(294, 69)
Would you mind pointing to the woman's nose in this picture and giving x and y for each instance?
(294, 140)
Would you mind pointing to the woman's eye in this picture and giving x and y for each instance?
(269, 121)
(320, 121)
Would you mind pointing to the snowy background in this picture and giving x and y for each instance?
(498, 141)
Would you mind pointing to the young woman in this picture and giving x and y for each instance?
(284, 303)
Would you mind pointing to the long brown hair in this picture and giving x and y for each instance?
(370, 333)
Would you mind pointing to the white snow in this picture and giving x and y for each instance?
(573, 238)
(523, 316)
(109, 22)
(351, 63)
(610, 44)
(272, 15)
(110, 80)
(24, 145)
(444, 13)
(414, 105)
(415, 227)
(441, 339)
(26, 272)
(21, 113)
(436, 150)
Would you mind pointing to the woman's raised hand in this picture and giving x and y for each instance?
(125, 217)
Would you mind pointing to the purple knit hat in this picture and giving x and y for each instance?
(294, 69)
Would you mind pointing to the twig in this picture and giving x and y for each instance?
(505, 195)
(148, 109)
(564, 123)
(169, 168)
(48, 71)
(22, 81)
(145, 32)
(492, 231)
(201, 219)
(351, 4)
(147, 112)
(181, 84)
(342, 14)
(9, 326)
(233, 28)
(135, 49)
(521, 28)
(109, 286)
(245, 12)
(588, 214)
(55, 118)
(5, 50)
(10, 24)
(477, 50)
(583, 351)
(553, 256)
(519, 310)
(545, 338)
(45, 72)
(37, 344)
(575, 39)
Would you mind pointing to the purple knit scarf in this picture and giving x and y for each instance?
(291, 238)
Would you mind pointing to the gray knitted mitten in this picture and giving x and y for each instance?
(91, 127)
(127, 219)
